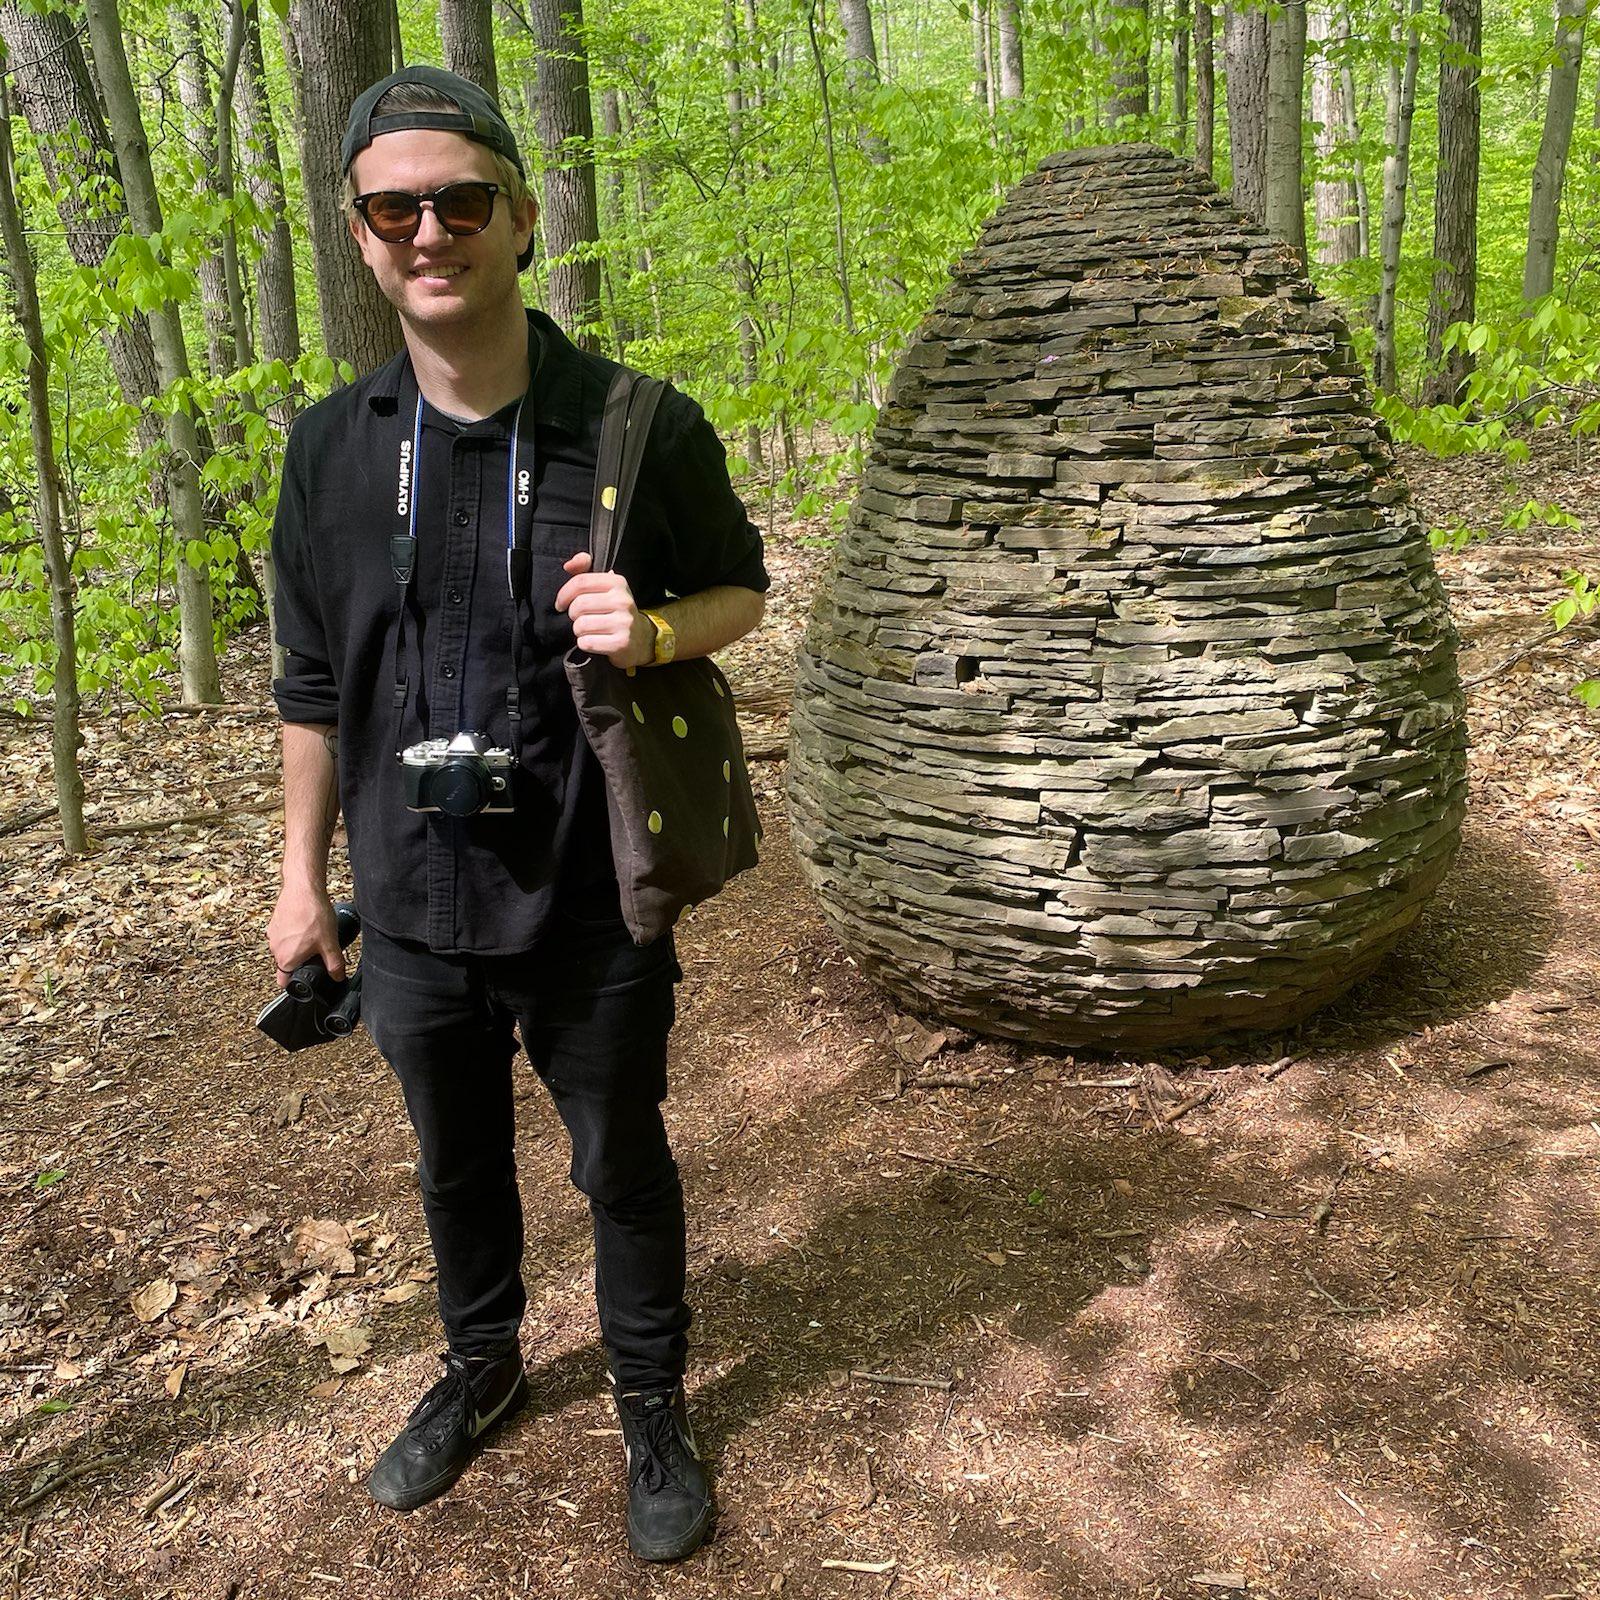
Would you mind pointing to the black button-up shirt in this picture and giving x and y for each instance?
(485, 884)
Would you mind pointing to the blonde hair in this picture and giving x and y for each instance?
(418, 97)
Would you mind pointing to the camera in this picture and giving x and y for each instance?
(460, 776)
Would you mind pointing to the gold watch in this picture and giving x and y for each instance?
(666, 638)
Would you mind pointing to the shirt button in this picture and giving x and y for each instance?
(455, 597)
(462, 519)
(449, 672)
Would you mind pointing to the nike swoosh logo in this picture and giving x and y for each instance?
(484, 1422)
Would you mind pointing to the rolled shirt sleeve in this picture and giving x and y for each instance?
(307, 691)
(709, 538)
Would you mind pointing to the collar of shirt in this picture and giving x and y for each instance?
(552, 357)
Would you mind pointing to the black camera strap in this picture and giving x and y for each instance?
(403, 542)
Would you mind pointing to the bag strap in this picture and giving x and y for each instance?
(630, 410)
(608, 469)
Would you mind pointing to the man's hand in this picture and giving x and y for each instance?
(303, 926)
(605, 619)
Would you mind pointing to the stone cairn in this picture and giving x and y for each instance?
(1129, 714)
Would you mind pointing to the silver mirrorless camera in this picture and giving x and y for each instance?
(460, 776)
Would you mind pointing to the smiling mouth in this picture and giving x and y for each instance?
(438, 273)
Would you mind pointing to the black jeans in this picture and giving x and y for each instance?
(594, 1012)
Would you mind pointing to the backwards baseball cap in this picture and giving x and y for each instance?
(477, 117)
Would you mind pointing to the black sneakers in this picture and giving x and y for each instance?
(443, 1432)
(669, 1495)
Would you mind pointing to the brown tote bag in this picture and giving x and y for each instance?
(683, 819)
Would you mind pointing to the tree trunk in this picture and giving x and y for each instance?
(1399, 108)
(1334, 191)
(1130, 73)
(342, 48)
(397, 46)
(1205, 88)
(196, 652)
(468, 30)
(845, 304)
(570, 212)
(860, 68)
(1455, 202)
(194, 92)
(1286, 70)
(277, 314)
(1550, 169)
(1352, 133)
(1008, 26)
(743, 267)
(65, 737)
(980, 55)
(1244, 48)
(55, 94)
(1180, 72)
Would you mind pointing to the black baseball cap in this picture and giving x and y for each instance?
(477, 118)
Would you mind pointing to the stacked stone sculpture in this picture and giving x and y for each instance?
(1129, 711)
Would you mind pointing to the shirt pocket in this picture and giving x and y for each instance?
(551, 630)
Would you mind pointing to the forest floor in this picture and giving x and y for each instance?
(1329, 1330)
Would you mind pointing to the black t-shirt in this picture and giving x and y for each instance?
(484, 884)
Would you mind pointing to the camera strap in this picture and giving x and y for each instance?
(403, 541)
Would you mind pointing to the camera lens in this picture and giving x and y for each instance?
(460, 788)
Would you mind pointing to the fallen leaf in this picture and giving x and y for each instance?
(322, 1242)
(1219, 1580)
(157, 1296)
(174, 1384)
(344, 1339)
(399, 1293)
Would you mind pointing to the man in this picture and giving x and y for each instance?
(405, 498)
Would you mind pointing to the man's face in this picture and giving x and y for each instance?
(439, 279)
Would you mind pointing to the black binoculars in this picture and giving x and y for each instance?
(313, 1006)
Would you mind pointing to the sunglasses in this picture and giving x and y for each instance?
(394, 216)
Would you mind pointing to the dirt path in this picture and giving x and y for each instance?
(1330, 1332)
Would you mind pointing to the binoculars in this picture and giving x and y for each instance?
(314, 1007)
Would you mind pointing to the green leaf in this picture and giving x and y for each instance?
(52, 1408)
(46, 1179)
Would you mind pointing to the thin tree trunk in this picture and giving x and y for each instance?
(227, 83)
(845, 305)
(277, 313)
(1180, 72)
(467, 27)
(397, 46)
(1130, 75)
(1352, 133)
(342, 48)
(1153, 58)
(614, 220)
(743, 268)
(1399, 108)
(197, 659)
(1455, 205)
(1008, 24)
(57, 97)
(980, 55)
(1205, 88)
(65, 737)
(1244, 46)
(1333, 191)
(1550, 169)
(566, 133)
(1285, 199)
